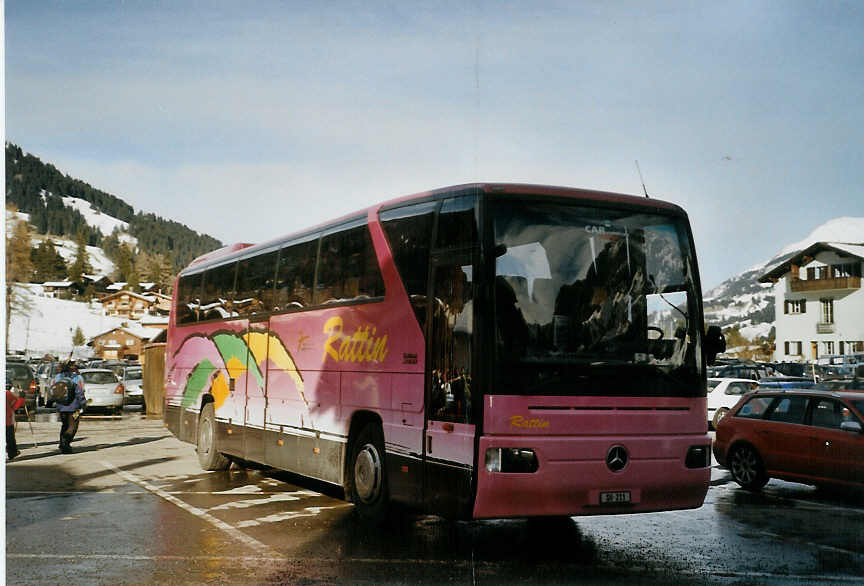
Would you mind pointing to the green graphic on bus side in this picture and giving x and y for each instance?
(198, 379)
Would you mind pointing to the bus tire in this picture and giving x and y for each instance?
(208, 455)
(367, 484)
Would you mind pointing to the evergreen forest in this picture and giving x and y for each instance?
(38, 188)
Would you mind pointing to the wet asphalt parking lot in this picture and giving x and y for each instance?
(131, 506)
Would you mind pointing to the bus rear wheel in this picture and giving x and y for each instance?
(208, 456)
(367, 486)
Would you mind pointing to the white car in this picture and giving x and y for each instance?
(102, 389)
(723, 394)
(134, 386)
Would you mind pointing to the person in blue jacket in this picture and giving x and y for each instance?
(69, 411)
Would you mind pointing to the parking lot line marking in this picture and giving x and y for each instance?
(225, 527)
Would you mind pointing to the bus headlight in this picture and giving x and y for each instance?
(511, 460)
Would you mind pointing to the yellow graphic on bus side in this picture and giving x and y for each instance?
(528, 423)
(219, 390)
(362, 345)
(264, 345)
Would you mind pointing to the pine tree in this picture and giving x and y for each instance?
(19, 269)
(78, 338)
(81, 266)
(48, 264)
(123, 261)
(132, 281)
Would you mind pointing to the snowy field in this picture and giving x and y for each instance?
(49, 324)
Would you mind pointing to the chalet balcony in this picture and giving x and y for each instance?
(825, 328)
(800, 285)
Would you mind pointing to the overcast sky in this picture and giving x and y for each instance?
(247, 120)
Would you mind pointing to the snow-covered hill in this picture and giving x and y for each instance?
(46, 325)
(741, 301)
(65, 247)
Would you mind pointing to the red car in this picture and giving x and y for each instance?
(808, 436)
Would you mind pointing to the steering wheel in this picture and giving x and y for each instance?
(655, 329)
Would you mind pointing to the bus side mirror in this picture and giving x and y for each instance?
(715, 343)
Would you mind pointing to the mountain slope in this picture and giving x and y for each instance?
(60, 205)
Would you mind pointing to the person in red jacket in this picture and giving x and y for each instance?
(13, 402)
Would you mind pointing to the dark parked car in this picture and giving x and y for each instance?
(809, 436)
(23, 382)
(752, 371)
(792, 368)
(786, 382)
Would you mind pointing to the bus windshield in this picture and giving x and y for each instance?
(583, 293)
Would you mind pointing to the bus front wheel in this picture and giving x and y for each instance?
(367, 474)
(208, 456)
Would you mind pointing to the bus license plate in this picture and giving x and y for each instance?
(611, 498)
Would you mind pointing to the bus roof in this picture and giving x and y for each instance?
(238, 250)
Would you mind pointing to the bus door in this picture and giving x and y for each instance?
(256, 387)
(449, 432)
(255, 301)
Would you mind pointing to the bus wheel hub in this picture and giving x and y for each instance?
(367, 473)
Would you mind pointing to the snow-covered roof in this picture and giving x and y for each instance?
(124, 292)
(140, 332)
(844, 248)
(155, 320)
(853, 249)
(57, 284)
(120, 285)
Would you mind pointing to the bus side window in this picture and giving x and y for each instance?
(348, 268)
(188, 299)
(255, 280)
(409, 233)
(295, 276)
(457, 223)
(217, 292)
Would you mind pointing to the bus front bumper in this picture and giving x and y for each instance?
(573, 477)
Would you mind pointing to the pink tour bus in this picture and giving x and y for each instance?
(477, 351)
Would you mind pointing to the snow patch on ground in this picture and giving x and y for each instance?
(102, 222)
(754, 331)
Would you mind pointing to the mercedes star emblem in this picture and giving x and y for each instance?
(616, 459)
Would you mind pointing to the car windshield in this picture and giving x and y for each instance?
(712, 383)
(859, 404)
(592, 288)
(133, 374)
(99, 378)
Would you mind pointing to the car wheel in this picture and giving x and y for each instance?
(718, 415)
(747, 467)
(208, 455)
(367, 484)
